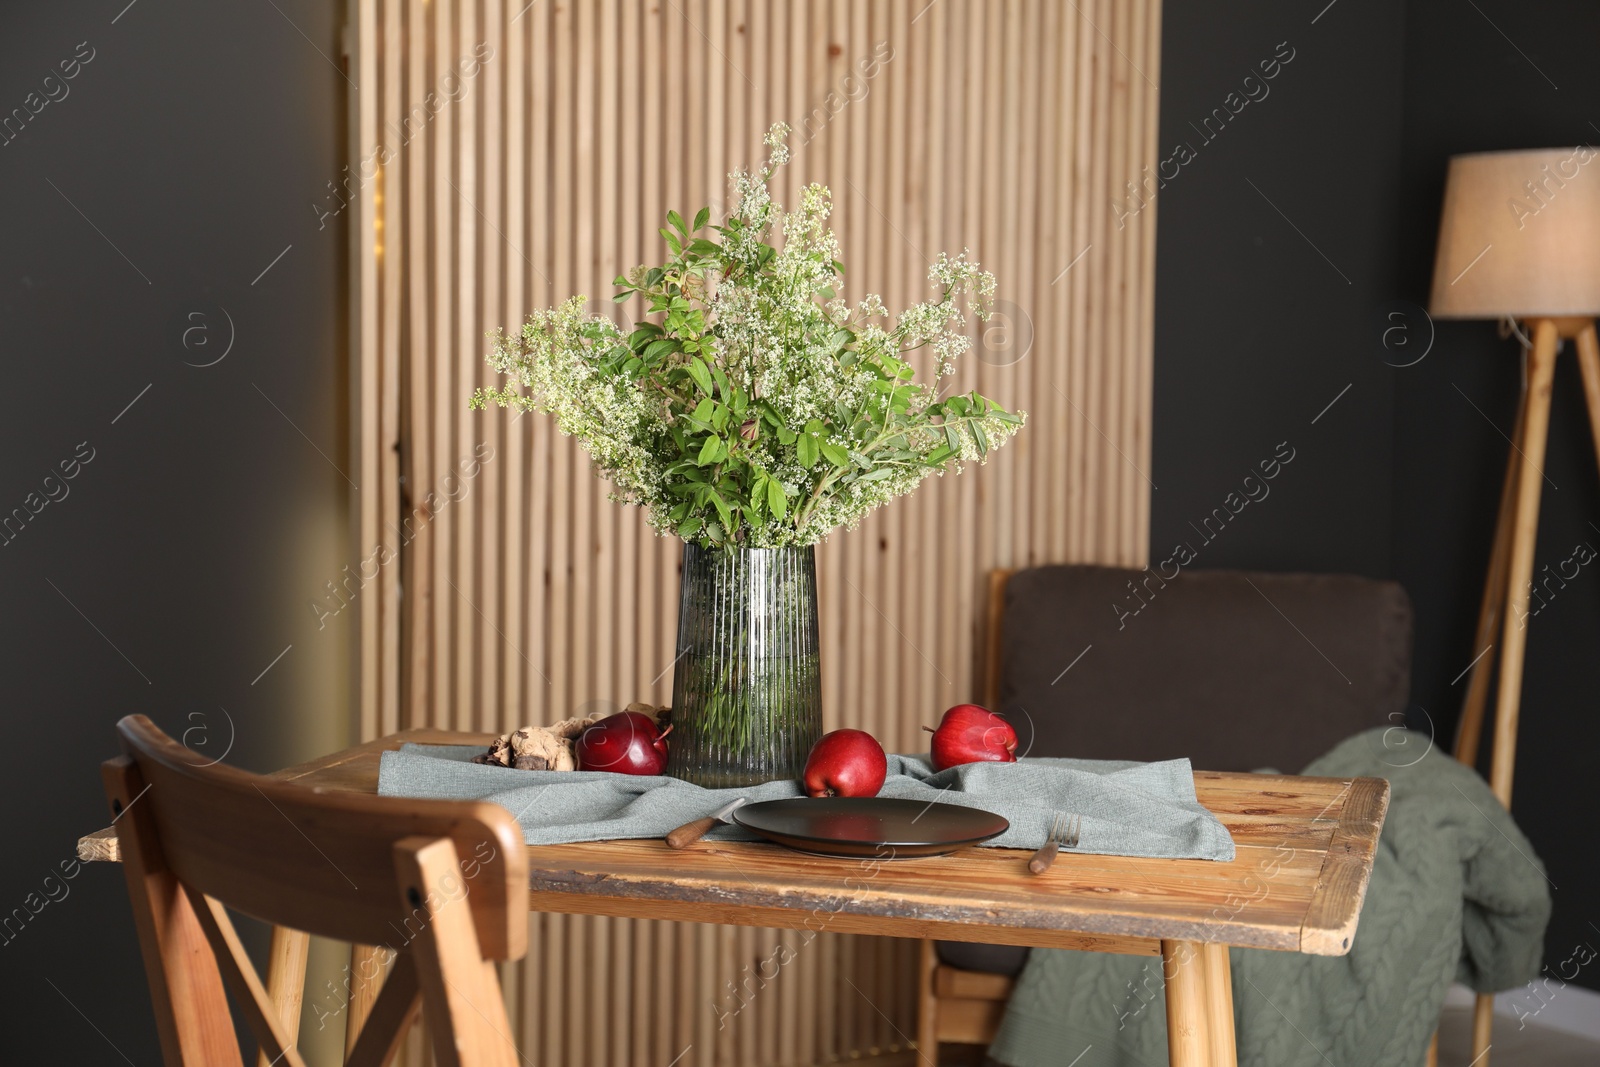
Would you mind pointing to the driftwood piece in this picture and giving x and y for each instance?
(553, 747)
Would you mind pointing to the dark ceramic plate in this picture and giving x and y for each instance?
(877, 827)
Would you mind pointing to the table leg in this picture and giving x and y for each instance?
(927, 1003)
(367, 968)
(286, 980)
(1183, 966)
(1219, 1005)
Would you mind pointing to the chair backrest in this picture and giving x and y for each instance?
(1235, 670)
(441, 883)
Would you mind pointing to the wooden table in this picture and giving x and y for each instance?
(1305, 852)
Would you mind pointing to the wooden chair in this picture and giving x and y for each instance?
(443, 884)
(1169, 677)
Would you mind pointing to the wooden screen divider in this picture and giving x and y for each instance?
(508, 154)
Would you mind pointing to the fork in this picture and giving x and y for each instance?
(1064, 830)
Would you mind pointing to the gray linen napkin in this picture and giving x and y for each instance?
(1128, 809)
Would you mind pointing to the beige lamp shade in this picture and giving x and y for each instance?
(1519, 236)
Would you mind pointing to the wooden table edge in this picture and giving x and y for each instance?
(1330, 921)
(1326, 929)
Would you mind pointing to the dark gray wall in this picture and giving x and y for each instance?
(180, 161)
(1273, 245)
(1256, 331)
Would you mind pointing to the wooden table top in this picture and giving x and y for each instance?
(1305, 849)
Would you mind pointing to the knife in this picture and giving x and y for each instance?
(690, 832)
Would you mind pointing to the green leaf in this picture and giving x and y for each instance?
(807, 446)
(701, 374)
(980, 438)
(677, 220)
(952, 436)
(777, 502)
(711, 451)
(937, 457)
(723, 510)
(877, 475)
(835, 454)
(786, 436)
(703, 412)
(702, 247)
(672, 241)
(690, 527)
(702, 217)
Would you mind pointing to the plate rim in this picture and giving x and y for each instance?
(954, 844)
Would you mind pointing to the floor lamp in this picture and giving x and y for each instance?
(1519, 239)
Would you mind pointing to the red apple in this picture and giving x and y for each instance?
(846, 763)
(971, 734)
(627, 743)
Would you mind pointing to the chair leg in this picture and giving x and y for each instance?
(286, 980)
(927, 1006)
(1482, 1028)
(462, 1003)
(390, 1019)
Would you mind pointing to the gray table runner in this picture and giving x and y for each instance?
(1127, 809)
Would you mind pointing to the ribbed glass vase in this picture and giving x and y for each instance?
(747, 687)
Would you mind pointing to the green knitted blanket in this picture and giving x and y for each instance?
(1456, 894)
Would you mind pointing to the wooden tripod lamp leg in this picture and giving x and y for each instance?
(1525, 527)
(1514, 627)
(1589, 363)
(1469, 727)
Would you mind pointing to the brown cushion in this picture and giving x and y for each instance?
(1235, 670)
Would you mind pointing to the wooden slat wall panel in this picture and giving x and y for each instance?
(521, 594)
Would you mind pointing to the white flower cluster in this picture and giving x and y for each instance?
(757, 407)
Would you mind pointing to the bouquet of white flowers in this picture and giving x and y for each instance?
(758, 409)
